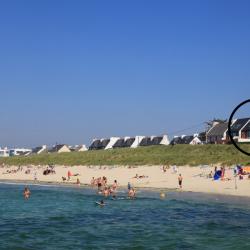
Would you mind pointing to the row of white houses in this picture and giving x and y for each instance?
(128, 142)
(97, 144)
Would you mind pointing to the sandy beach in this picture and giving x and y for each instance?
(195, 179)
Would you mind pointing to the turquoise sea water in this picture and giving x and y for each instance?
(67, 218)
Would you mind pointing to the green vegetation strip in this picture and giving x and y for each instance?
(154, 155)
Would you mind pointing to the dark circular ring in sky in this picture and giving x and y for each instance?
(229, 127)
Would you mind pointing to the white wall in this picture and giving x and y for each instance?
(137, 141)
(165, 140)
(112, 141)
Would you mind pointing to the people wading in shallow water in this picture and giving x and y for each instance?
(26, 193)
(180, 180)
(78, 183)
(131, 193)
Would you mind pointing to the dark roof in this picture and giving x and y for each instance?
(129, 142)
(182, 140)
(202, 136)
(156, 140)
(75, 148)
(218, 130)
(56, 148)
(120, 143)
(187, 139)
(239, 124)
(104, 143)
(96, 144)
(36, 150)
(146, 141)
(176, 140)
(247, 127)
(23, 153)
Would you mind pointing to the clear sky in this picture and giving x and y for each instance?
(74, 70)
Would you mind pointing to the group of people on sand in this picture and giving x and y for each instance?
(14, 171)
(49, 170)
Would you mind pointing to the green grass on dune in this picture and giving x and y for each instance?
(153, 155)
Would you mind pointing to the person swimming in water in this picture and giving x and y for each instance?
(100, 203)
(26, 193)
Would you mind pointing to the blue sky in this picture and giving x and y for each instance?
(74, 70)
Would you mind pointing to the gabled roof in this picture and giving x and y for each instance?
(247, 127)
(56, 148)
(119, 144)
(156, 140)
(24, 153)
(128, 143)
(218, 130)
(146, 141)
(187, 139)
(36, 150)
(239, 124)
(176, 140)
(182, 139)
(96, 144)
(202, 136)
(77, 148)
(104, 143)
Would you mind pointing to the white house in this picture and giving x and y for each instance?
(39, 150)
(4, 152)
(59, 148)
(244, 133)
(78, 148)
(111, 142)
(196, 140)
(137, 141)
(20, 151)
(159, 140)
(81, 148)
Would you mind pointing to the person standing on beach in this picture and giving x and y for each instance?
(78, 183)
(35, 176)
(69, 175)
(180, 180)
